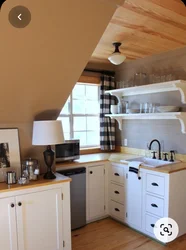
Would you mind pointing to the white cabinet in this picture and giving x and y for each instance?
(117, 191)
(163, 196)
(36, 218)
(39, 220)
(96, 192)
(8, 236)
(134, 200)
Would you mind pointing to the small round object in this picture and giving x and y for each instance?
(12, 205)
(139, 178)
(91, 172)
(19, 204)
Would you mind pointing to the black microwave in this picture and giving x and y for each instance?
(68, 151)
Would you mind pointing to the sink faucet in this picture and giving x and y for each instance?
(159, 147)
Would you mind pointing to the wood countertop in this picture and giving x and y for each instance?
(32, 184)
(98, 157)
(117, 157)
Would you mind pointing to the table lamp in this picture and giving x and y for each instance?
(48, 133)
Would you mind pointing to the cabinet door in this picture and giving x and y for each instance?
(96, 192)
(39, 220)
(134, 200)
(8, 234)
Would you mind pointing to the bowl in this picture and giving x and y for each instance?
(163, 109)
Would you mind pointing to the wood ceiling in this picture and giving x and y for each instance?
(145, 27)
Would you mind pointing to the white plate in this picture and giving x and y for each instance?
(163, 109)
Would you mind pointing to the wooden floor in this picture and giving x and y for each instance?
(108, 234)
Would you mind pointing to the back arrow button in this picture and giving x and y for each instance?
(19, 17)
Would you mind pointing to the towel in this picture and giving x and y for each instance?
(134, 166)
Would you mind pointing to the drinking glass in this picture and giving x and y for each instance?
(146, 107)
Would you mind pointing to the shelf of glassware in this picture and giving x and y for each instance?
(179, 85)
(181, 116)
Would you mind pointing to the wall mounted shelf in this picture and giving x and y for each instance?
(181, 116)
(179, 85)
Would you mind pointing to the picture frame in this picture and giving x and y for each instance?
(9, 152)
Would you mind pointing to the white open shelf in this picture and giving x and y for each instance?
(181, 116)
(179, 85)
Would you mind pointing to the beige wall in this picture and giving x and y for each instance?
(139, 132)
(41, 63)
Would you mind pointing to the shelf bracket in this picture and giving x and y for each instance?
(182, 119)
(182, 89)
(119, 120)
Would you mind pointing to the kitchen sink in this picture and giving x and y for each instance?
(153, 163)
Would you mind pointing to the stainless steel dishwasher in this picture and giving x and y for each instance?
(77, 195)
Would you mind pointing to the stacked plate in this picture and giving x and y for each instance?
(164, 109)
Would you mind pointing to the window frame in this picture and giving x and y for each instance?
(71, 116)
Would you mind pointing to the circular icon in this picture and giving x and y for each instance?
(19, 17)
(166, 230)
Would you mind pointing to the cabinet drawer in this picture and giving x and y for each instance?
(155, 184)
(117, 174)
(117, 210)
(154, 205)
(117, 193)
(150, 222)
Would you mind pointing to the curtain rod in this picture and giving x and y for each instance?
(111, 73)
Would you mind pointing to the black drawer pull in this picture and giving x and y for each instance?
(154, 184)
(152, 225)
(116, 174)
(116, 192)
(154, 205)
(12, 205)
(116, 209)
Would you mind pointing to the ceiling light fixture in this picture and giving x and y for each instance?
(116, 58)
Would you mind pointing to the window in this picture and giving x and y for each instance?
(80, 115)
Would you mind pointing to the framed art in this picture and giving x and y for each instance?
(9, 152)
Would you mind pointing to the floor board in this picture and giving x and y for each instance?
(108, 234)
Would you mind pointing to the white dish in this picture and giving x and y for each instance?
(133, 111)
(163, 109)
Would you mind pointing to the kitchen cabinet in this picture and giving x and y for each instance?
(96, 192)
(163, 196)
(8, 234)
(118, 191)
(39, 217)
(36, 218)
(134, 200)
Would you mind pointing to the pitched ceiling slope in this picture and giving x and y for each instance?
(41, 63)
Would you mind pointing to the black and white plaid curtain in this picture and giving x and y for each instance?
(107, 125)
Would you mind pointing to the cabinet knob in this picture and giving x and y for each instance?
(154, 205)
(91, 172)
(116, 192)
(19, 204)
(116, 174)
(12, 205)
(117, 210)
(154, 184)
(152, 225)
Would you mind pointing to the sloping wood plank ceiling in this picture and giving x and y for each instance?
(145, 27)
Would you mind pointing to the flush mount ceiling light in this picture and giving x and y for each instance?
(116, 58)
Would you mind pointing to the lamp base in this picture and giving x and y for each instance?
(49, 159)
(49, 175)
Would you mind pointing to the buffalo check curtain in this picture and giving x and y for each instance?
(107, 125)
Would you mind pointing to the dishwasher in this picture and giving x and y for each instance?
(77, 195)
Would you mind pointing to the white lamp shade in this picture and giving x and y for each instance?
(47, 133)
(117, 58)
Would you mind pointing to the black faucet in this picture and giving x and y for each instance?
(159, 147)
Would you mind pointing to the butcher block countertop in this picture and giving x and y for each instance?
(32, 184)
(117, 157)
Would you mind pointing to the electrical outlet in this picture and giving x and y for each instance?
(125, 142)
